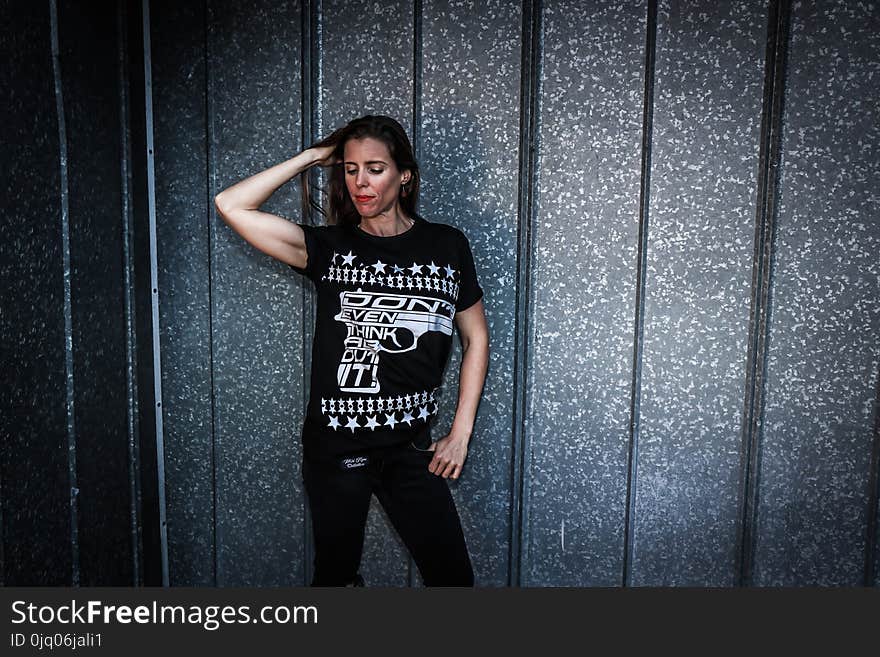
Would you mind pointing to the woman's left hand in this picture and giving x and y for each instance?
(450, 453)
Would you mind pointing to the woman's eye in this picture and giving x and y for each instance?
(353, 172)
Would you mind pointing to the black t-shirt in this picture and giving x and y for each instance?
(383, 331)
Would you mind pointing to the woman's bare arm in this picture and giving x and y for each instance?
(239, 204)
(451, 450)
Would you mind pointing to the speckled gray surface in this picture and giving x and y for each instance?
(90, 83)
(585, 239)
(470, 150)
(254, 73)
(824, 342)
(366, 59)
(707, 119)
(228, 307)
(36, 509)
(182, 215)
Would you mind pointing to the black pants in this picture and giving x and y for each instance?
(417, 502)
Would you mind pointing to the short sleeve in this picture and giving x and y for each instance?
(316, 249)
(469, 290)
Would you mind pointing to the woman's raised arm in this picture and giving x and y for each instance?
(239, 204)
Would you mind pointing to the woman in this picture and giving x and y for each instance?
(389, 286)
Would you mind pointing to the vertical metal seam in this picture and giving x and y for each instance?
(873, 494)
(318, 63)
(154, 288)
(309, 61)
(641, 274)
(68, 307)
(417, 151)
(129, 301)
(530, 69)
(211, 174)
(417, 80)
(759, 316)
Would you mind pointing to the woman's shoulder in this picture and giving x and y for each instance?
(327, 234)
(438, 230)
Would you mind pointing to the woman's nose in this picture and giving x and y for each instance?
(361, 179)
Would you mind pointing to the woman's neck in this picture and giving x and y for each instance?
(386, 225)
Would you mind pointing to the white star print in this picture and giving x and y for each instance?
(379, 266)
(450, 272)
(397, 270)
(390, 421)
(352, 423)
(334, 423)
(423, 413)
(415, 269)
(408, 418)
(349, 259)
(371, 423)
(434, 268)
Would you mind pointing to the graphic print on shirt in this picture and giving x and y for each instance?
(379, 321)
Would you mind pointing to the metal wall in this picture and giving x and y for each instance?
(72, 507)
(673, 211)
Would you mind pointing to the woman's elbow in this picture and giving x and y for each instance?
(225, 211)
(219, 203)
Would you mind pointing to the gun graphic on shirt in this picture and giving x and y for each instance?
(379, 322)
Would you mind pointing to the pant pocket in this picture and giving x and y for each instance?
(422, 441)
(419, 449)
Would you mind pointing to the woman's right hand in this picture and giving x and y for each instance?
(324, 155)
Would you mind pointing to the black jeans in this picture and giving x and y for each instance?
(417, 502)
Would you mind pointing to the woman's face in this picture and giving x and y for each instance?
(372, 178)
